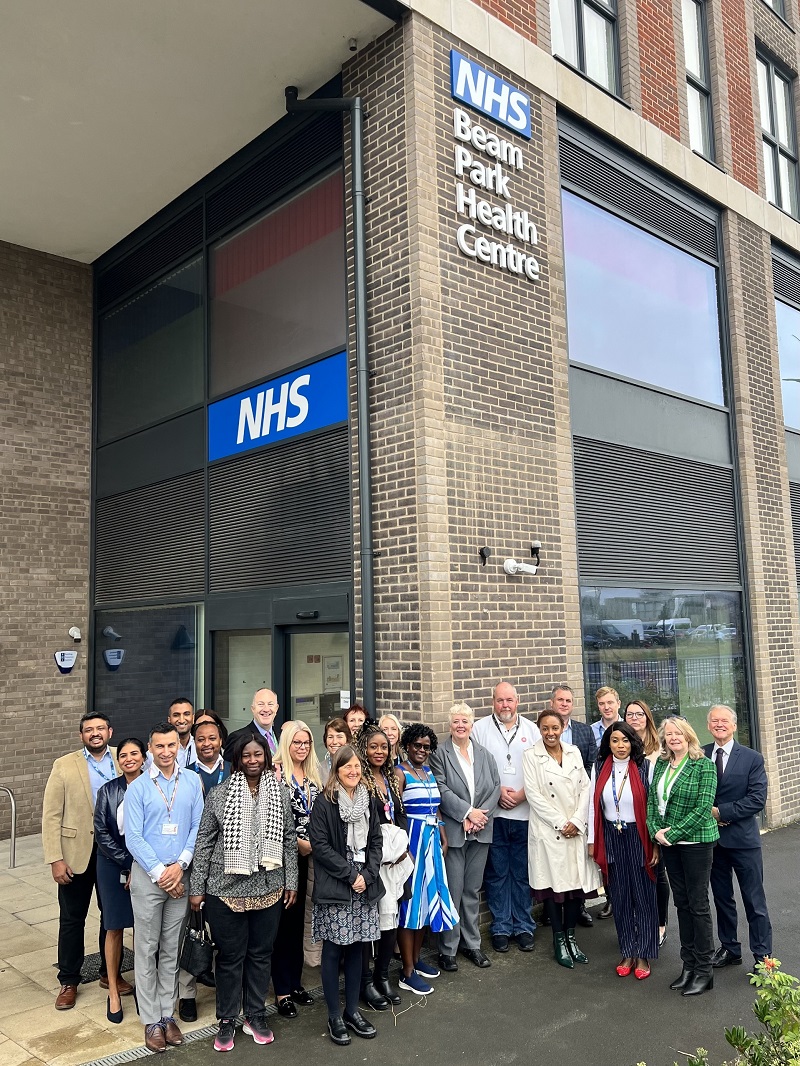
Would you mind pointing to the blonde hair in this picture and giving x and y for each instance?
(606, 690)
(393, 748)
(695, 751)
(461, 708)
(283, 755)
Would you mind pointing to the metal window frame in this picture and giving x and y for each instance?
(768, 137)
(610, 13)
(703, 85)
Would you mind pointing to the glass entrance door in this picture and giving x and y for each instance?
(317, 675)
(242, 664)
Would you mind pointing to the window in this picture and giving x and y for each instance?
(776, 103)
(788, 319)
(777, 7)
(698, 80)
(639, 307)
(585, 34)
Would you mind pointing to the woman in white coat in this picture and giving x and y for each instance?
(561, 873)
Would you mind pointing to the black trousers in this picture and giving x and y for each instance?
(73, 906)
(748, 865)
(287, 963)
(381, 952)
(689, 871)
(244, 943)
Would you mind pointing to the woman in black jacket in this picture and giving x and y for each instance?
(114, 863)
(347, 845)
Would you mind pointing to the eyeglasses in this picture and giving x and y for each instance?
(420, 747)
(635, 714)
(680, 717)
(301, 744)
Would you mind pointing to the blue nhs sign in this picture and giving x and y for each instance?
(307, 399)
(489, 94)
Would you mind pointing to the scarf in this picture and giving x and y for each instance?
(252, 832)
(355, 815)
(639, 794)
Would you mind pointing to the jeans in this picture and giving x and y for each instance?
(505, 882)
(73, 906)
(689, 870)
(244, 942)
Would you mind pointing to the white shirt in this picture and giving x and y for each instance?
(467, 768)
(187, 755)
(508, 746)
(726, 750)
(626, 811)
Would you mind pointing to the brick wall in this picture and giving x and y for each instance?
(660, 103)
(520, 15)
(739, 53)
(45, 412)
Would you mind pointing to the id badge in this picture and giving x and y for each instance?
(169, 829)
(431, 819)
(509, 771)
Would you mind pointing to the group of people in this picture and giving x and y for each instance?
(391, 833)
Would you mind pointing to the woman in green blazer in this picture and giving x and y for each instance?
(679, 818)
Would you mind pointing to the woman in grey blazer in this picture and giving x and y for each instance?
(469, 783)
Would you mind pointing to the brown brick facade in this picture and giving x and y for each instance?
(45, 419)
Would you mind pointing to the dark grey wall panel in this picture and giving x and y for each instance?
(654, 518)
(165, 451)
(149, 543)
(605, 408)
(281, 516)
(794, 491)
(793, 455)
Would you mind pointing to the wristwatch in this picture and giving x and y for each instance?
(183, 865)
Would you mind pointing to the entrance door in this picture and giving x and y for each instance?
(242, 664)
(317, 665)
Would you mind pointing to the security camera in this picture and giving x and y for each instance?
(352, 44)
(111, 633)
(513, 568)
(75, 633)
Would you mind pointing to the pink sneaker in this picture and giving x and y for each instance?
(257, 1028)
(223, 1041)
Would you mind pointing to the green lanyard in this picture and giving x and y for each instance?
(669, 777)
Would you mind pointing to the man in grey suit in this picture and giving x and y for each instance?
(469, 783)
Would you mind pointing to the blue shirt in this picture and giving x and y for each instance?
(146, 814)
(100, 771)
(269, 736)
(599, 727)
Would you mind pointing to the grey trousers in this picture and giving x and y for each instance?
(158, 920)
(464, 868)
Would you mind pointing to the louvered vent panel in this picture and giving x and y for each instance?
(648, 517)
(151, 542)
(316, 145)
(168, 247)
(595, 175)
(282, 515)
(794, 491)
(786, 280)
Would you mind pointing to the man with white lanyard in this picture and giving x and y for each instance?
(507, 735)
(162, 815)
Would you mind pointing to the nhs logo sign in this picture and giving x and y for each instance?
(284, 407)
(489, 94)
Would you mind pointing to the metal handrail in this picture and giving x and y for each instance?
(12, 851)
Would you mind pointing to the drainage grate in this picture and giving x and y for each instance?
(91, 966)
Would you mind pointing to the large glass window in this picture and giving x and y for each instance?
(678, 650)
(585, 34)
(278, 289)
(779, 139)
(698, 79)
(150, 363)
(788, 319)
(639, 307)
(242, 664)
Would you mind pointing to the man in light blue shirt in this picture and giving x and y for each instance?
(162, 815)
(608, 704)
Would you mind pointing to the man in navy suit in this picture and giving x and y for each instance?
(741, 795)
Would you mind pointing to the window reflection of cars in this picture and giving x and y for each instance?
(604, 636)
(714, 631)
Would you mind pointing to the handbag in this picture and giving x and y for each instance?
(197, 950)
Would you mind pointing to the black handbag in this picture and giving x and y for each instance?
(197, 950)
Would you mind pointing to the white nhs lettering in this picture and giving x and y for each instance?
(490, 94)
(256, 422)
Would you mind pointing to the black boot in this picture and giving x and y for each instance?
(373, 998)
(561, 952)
(681, 982)
(573, 948)
(381, 983)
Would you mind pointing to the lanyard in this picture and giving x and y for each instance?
(96, 766)
(669, 778)
(617, 798)
(427, 783)
(300, 791)
(171, 803)
(503, 732)
(388, 806)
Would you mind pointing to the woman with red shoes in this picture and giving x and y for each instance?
(620, 844)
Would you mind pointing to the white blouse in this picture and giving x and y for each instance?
(626, 811)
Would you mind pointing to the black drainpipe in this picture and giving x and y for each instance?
(355, 106)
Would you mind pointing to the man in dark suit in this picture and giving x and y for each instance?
(741, 795)
(264, 707)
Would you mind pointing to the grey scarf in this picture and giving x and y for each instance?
(355, 814)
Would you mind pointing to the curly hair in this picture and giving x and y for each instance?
(367, 775)
(416, 731)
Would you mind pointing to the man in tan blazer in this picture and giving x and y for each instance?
(69, 845)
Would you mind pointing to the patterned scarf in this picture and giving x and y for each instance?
(355, 814)
(252, 828)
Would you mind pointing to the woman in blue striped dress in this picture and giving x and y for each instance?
(429, 903)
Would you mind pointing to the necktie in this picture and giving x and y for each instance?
(719, 764)
(273, 746)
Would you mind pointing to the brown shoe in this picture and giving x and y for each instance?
(65, 1000)
(154, 1037)
(172, 1033)
(123, 987)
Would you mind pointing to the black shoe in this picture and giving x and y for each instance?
(500, 942)
(337, 1031)
(187, 1010)
(698, 985)
(584, 918)
(723, 957)
(606, 911)
(114, 1016)
(206, 979)
(544, 920)
(476, 956)
(447, 963)
(686, 977)
(759, 959)
(525, 941)
(286, 1007)
(381, 982)
(372, 997)
(359, 1025)
(305, 999)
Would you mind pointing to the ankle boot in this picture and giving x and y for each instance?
(574, 950)
(373, 998)
(561, 952)
(381, 982)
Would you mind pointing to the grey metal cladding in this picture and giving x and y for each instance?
(645, 517)
(281, 516)
(149, 543)
(786, 280)
(794, 493)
